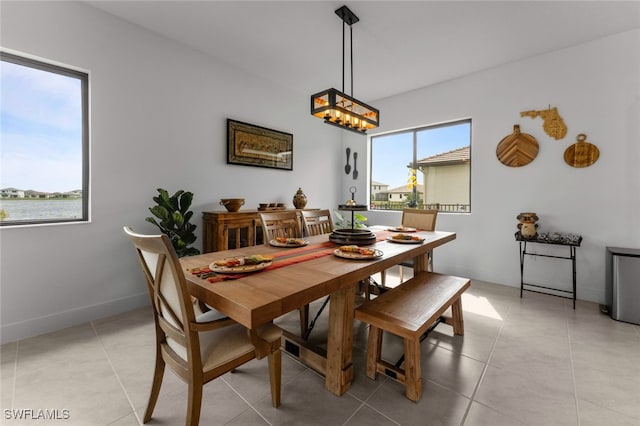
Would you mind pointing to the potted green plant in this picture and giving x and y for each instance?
(174, 214)
(342, 222)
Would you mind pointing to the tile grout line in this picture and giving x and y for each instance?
(364, 403)
(246, 402)
(484, 370)
(126, 394)
(15, 377)
(573, 370)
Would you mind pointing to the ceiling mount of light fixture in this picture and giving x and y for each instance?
(336, 107)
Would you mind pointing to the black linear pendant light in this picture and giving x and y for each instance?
(336, 107)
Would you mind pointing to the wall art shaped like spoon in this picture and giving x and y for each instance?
(355, 166)
(347, 168)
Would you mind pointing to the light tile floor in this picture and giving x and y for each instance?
(530, 361)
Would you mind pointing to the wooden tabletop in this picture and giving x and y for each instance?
(260, 297)
(263, 296)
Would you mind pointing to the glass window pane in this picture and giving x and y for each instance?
(43, 129)
(442, 175)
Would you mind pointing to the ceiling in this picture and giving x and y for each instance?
(398, 46)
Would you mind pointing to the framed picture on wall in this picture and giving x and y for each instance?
(251, 145)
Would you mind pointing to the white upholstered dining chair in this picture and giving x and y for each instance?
(198, 349)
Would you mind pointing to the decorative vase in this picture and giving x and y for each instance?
(528, 227)
(299, 200)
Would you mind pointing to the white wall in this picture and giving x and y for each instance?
(158, 114)
(596, 87)
(158, 120)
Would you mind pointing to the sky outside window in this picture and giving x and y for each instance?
(391, 154)
(41, 129)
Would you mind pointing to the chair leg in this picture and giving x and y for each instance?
(194, 402)
(401, 273)
(275, 376)
(304, 320)
(155, 387)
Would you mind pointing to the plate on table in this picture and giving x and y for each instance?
(405, 239)
(402, 229)
(361, 254)
(288, 242)
(239, 265)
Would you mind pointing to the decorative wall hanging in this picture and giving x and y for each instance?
(581, 153)
(258, 146)
(338, 108)
(517, 149)
(355, 165)
(347, 167)
(553, 124)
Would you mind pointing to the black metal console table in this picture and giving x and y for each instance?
(555, 238)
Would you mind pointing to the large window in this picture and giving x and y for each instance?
(427, 167)
(44, 158)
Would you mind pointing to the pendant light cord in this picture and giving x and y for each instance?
(351, 51)
(351, 55)
(343, 24)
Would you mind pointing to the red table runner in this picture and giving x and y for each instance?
(281, 259)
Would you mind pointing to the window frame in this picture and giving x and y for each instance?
(414, 131)
(83, 77)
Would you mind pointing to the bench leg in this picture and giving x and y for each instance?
(458, 321)
(374, 349)
(413, 381)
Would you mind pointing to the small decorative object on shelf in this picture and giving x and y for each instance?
(552, 124)
(232, 204)
(271, 206)
(351, 204)
(528, 227)
(299, 199)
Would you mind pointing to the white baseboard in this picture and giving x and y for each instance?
(35, 326)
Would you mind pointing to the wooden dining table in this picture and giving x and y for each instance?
(311, 272)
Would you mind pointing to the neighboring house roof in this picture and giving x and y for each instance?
(456, 156)
(405, 190)
(376, 183)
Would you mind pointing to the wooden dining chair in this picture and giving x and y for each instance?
(198, 349)
(420, 219)
(317, 222)
(284, 223)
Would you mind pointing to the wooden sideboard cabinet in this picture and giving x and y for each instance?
(223, 230)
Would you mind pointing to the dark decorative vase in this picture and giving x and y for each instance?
(299, 200)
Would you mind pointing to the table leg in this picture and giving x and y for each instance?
(420, 263)
(573, 261)
(339, 373)
(522, 252)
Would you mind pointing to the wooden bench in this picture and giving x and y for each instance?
(408, 311)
